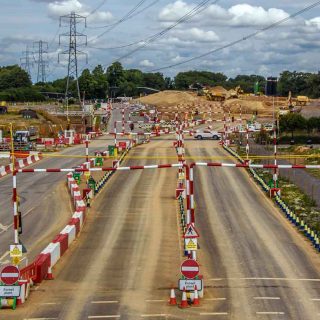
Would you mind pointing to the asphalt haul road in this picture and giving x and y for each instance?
(44, 201)
(255, 264)
(44, 198)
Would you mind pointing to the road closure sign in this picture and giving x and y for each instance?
(10, 275)
(190, 268)
(9, 291)
(189, 284)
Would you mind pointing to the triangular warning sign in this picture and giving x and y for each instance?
(191, 232)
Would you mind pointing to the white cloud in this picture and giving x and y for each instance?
(247, 15)
(174, 11)
(196, 34)
(146, 63)
(64, 7)
(240, 15)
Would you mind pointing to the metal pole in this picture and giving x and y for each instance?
(87, 149)
(15, 207)
(192, 216)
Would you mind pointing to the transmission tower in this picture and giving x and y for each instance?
(73, 19)
(26, 61)
(42, 63)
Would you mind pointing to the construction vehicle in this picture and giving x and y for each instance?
(26, 136)
(213, 95)
(302, 100)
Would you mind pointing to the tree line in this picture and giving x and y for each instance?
(16, 85)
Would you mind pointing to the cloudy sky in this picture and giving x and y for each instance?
(146, 34)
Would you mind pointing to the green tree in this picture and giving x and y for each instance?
(100, 82)
(183, 80)
(13, 77)
(292, 122)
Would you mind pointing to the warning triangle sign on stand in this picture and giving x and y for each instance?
(191, 232)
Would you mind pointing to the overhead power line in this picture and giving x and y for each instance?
(124, 18)
(249, 36)
(132, 16)
(195, 11)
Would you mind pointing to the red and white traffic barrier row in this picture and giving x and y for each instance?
(5, 170)
(43, 264)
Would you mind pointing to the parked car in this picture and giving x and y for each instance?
(207, 134)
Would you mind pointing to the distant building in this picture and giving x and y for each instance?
(29, 114)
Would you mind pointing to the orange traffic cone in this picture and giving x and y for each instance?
(184, 302)
(196, 301)
(173, 300)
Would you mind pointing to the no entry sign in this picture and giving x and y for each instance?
(9, 275)
(190, 268)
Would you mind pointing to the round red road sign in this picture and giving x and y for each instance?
(10, 275)
(190, 268)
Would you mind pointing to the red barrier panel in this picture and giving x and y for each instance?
(29, 272)
(42, 263)
(76, 222)
(25, 162)
(63, 239)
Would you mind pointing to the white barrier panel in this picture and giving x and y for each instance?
(54, 250)
(78, 215)
(21, 164)
(29, 160)
(70, 230)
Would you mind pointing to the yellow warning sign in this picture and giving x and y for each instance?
(191, 244)
(15, 250)
(87, 174)
(16, 261)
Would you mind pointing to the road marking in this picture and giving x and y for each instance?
(155, 315)
(156, 300)
(275, 279)
(4, 228)
(106, 301)
(266, 298)
(315, 299)
(10, 225)
(213, 313)
(49, 303)
(4, 255)
(104, 317)
(270, 312)
(215, 299)
(40, 318)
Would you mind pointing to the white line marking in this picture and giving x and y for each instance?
(270, 312)
(10, 225)
(266, 298)
(156, 300)
(215, 299)
(213, 313)
(271, 279)
(106, 301)
(105, 317)
(316, 299)
(4, 255)
(154, 315)
(49, 303)
(40, 318)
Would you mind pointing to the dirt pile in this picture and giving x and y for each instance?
(172, 98)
